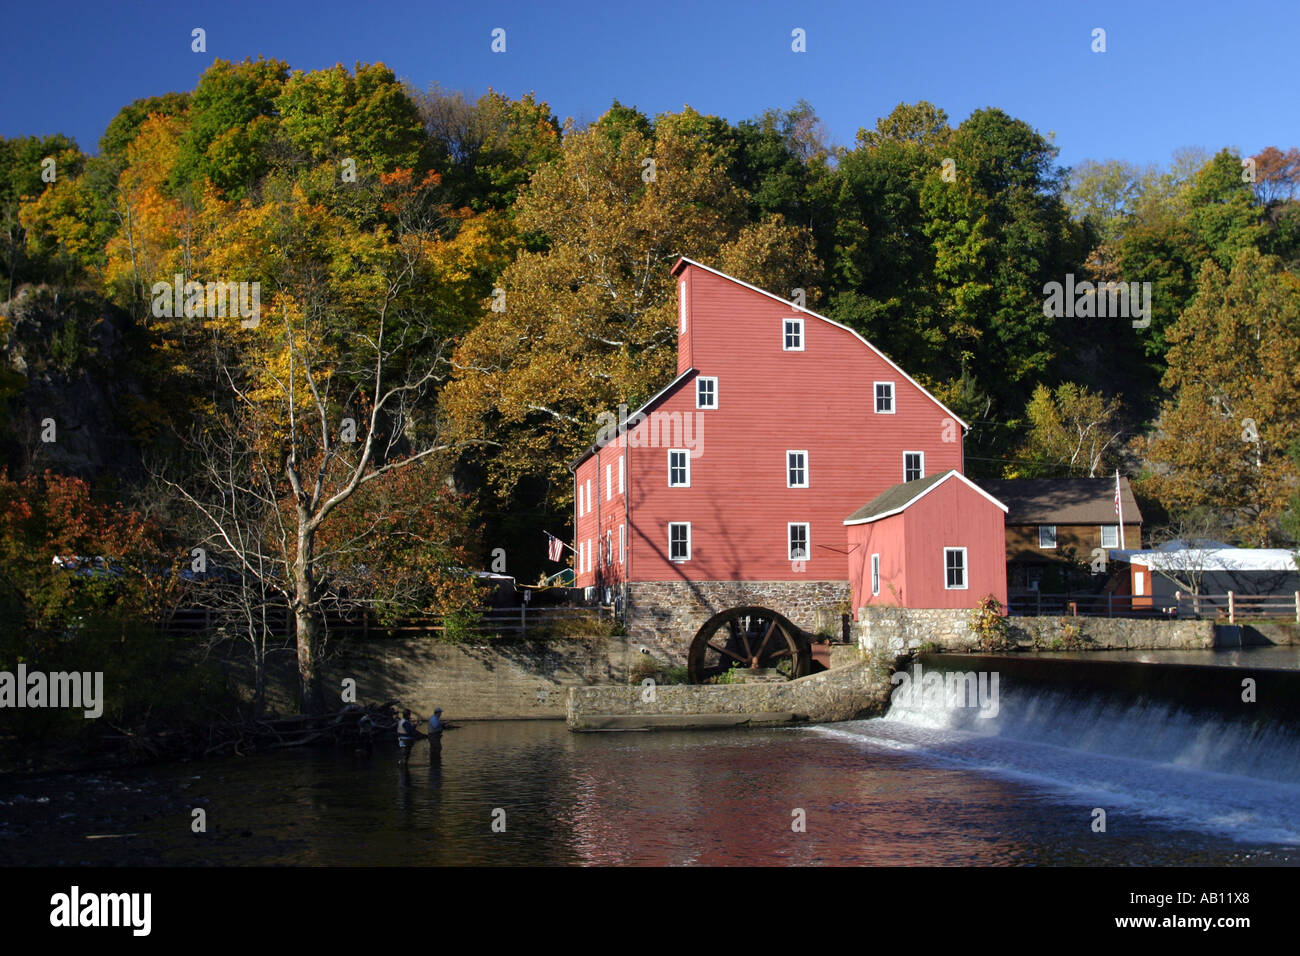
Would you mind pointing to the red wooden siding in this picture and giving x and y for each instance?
(883, 537)
(911, 547)
(819, 400)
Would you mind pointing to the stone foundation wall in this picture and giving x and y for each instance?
(840, 694)
(891, 631)
(1113, 633)
(666, 614)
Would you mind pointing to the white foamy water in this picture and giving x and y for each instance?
(1194, 770)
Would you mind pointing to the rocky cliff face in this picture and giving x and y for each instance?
(70, 398)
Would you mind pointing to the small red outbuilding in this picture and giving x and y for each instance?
(936, 542)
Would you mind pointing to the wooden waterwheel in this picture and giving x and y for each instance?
(753, 638)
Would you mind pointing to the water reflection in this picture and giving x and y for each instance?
(671, 799)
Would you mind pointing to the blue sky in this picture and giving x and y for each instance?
(1174, 74)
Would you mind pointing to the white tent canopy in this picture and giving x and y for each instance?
(1210, 559)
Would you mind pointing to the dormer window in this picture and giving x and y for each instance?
(792, 335)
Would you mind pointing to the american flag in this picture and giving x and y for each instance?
(1117, 511)
(554, 547)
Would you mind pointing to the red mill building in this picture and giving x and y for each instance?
(736, 483)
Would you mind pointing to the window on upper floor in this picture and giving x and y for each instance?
(621, 461)
(797, 534)
(875, 574)
(913, 465)
(884, 398)
(1047, 536)
(679, 468)
(1110, 536)
(706, 392)
(954, 564)
(792, 335)
(796, 469)
(679, 541)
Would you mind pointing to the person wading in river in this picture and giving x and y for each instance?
(406, 737)
(436, 727)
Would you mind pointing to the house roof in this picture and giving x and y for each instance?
(684, 261)
(632, 420)
(899, 498)
(1211, 559)
(1063, 500)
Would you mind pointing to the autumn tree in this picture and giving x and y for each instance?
(26, 165)
(331, 391)
(488, 148)
(1223, 437)
(1073, 432)
(587, 322)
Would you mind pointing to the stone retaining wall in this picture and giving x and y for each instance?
(840, 694)
(1112, 633)
(893, 630)
(497, 680)
(666, 614)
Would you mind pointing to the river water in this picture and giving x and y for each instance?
(926, 784)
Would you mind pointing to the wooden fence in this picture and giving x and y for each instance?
(1230, 607)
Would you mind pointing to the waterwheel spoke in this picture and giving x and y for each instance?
(723, 650)
(781, 653)
(770, 628)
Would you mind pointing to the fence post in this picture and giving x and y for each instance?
(1038, 602)
(1232, 609)
(1110, 604)
(523, 620)
(1297, 607)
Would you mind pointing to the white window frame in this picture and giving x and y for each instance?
(609, 480)
(922, 457)
(1139, 584)
(609, 547)
(582, 557)
(875, 575)
(785, 335)
(581, 510)
(965, 571)
(1114, 529)
(590, 554)
(622, 544)
(807, 540)
(1041, 529)
(893, 398)
(789, 468)
(681, 304)
(679, 524)
(686, 457)
(621, 461)
(713, 382)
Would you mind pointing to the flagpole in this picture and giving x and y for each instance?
(1119, 507)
